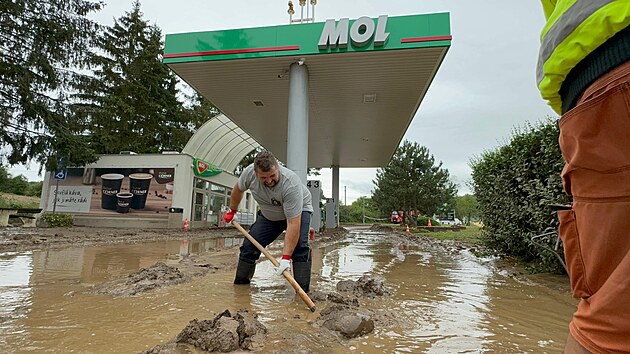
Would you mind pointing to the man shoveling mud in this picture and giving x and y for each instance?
(285, 204)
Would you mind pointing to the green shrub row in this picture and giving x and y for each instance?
(58, 220)
(424, 221)
(514, 185)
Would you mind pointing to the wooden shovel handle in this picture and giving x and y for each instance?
(298, 289)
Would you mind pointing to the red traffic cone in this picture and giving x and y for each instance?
(407, 231)
(186, 224)
(429, 223)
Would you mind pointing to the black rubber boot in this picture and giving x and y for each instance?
(244, 272)
(302, 274)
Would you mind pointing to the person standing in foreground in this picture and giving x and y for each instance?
(285, 204)
(584, 73)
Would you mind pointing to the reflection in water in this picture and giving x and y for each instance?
(442, 303)
(15, 292)
(37, 290)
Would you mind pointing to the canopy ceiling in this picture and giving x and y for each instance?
(362, 99)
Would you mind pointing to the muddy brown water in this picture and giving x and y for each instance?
(441, 302)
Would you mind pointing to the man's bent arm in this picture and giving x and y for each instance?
(236, 197)
(293, 234)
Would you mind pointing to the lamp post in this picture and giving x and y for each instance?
(363, 209)
(303, 19)
(291, 12)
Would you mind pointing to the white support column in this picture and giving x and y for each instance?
(335, 191)
(297, 133)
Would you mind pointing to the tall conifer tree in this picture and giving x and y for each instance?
(413, 181)
(43, 45)
(132, 102)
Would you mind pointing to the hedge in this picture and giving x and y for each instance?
(514, 185)
(58, 220)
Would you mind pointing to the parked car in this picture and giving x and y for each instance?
(456, 221)
(395, 218)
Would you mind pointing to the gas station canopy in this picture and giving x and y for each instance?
(366, 80)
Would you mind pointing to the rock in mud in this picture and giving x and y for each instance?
(321, 296)
(170, 348)
(349, 322)
(156, 276)
(343, 300)
(225, 333)
(367, 285)
(317, 295)
(346, 285)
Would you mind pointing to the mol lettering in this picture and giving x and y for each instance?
(335, 34)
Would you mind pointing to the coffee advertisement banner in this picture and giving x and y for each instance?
(124, 192)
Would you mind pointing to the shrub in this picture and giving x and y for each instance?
(58, 220)
(513, 185)
(424, 221)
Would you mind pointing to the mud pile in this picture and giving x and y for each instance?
(350, 321)
(156, 276)
(225, 333)
(381, 228)
(367, 286)
(344, 313)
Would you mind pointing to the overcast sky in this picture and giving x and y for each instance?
(484, 89)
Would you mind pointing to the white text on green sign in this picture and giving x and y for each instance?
(335, 34)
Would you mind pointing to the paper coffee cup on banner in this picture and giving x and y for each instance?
(139, 184)
(110, 186)
(123, 202)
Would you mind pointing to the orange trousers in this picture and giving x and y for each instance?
(595, 143)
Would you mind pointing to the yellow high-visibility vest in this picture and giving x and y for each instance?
(574, 29)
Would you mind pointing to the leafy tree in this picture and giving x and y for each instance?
(412, 181)
(43, 46)
(199, 110)
(5, 179)
(34, 189)
(132, 101)
(355, 212)
(466, 208)
(18, 185)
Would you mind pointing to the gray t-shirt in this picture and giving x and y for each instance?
(287, 199)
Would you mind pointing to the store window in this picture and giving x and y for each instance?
(201, 184)
(198, 207)
(209, 199)
(217, 188)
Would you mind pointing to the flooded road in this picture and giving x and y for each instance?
(441, 302)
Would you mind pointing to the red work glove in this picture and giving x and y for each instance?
(285, 264)
(229, 216)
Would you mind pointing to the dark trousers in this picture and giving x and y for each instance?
(266, 231)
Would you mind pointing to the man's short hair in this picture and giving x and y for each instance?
(264, 161)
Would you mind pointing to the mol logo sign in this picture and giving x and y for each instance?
(335, 34)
